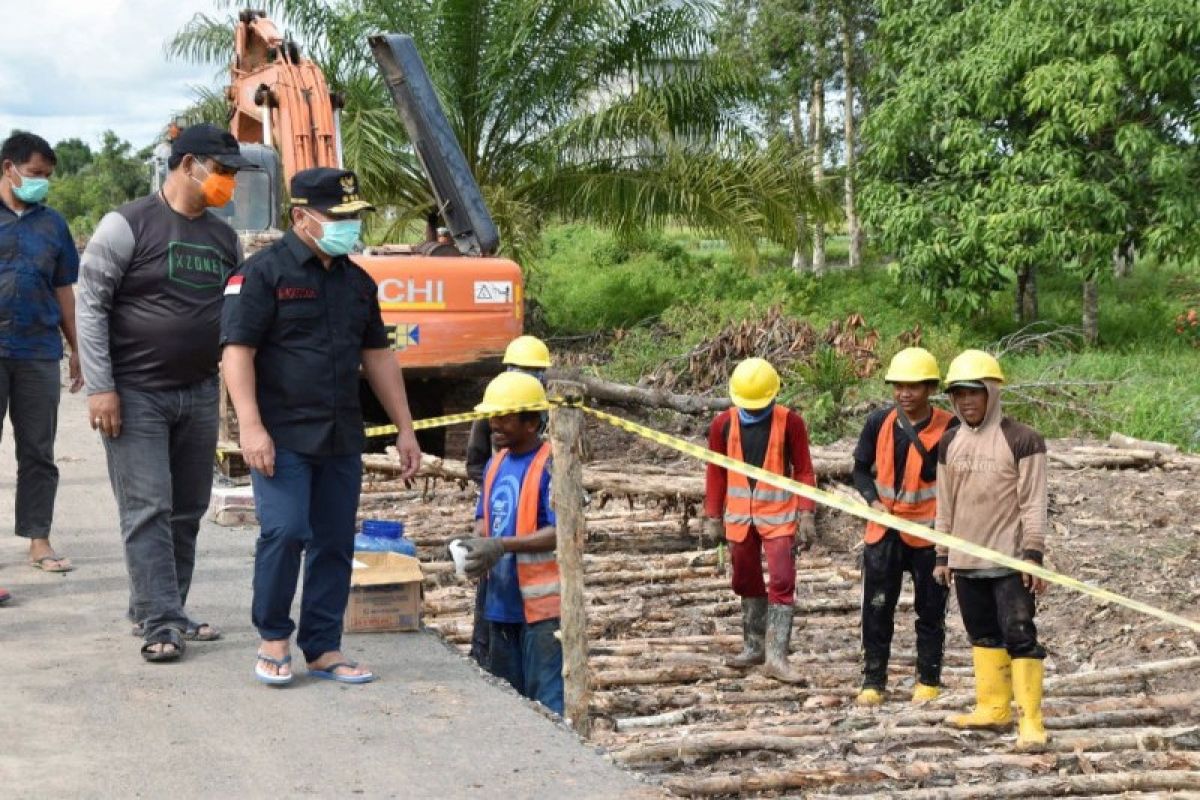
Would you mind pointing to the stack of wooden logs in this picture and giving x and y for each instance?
(661, 620)
(682, 483)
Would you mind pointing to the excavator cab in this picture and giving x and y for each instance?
(258, 198)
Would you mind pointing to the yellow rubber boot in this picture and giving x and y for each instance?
(924, 693)
(1027, 676)
(993, 691)
(869, 697)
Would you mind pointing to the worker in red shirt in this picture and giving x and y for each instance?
(755, 516)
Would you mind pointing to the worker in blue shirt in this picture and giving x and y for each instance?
(515, 543)
(38, 265)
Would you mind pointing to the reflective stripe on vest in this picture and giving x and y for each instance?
(917, 499)
(537, 573)
(770, 510)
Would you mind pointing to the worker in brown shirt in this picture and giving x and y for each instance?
(991, 481)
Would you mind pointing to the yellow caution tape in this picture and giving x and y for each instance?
(860, 510)
(454, 419)
(896, 523)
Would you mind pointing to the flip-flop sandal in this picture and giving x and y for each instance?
(5, 596)
(330, 673)
(196, 632)
(163, 637)
(64, 564)
(269, 678)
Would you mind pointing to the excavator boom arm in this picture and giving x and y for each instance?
(280, 98)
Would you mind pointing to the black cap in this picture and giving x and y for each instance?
(334, 191)
(209, 141)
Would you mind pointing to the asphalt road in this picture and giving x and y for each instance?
(81, 715)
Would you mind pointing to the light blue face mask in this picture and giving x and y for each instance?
(31, 190)
(339, 236)
(752, 417)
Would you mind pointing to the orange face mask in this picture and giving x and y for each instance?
(217, 189)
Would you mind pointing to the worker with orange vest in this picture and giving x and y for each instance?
(755, 516)
(514, 545)
(895, 471)
(530, 355)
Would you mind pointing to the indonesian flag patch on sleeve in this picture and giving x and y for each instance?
(235, 285)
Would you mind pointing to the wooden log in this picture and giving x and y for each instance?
(1128, 442)
(664, 720)
(1180, 738)
(1109, 719)
(920, 768)
(1135, 672)
(566, 425)
(1065, 786)
(784, 741)
(673, 673)
(783, 780)
(1174, 702)
(622, 394)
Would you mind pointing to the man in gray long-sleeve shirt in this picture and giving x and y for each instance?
(149, 317)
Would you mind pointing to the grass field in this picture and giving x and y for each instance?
(648, 301)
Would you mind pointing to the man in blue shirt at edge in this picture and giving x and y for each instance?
(38, 265)
(514, 546)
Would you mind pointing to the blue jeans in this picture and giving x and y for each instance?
(530, 658)
(161, 473)
(306, 509)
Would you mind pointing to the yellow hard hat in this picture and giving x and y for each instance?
(912, 365)
(972, 366)
(754, 384)
(527, 351)
(509, 391)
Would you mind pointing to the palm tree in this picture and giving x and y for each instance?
(617, 112)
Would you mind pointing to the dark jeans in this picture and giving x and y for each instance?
(998, 612)
(480, 627)
(884, 565)
(530, 658)
(161, 468)
(306, 510)
(29, 393)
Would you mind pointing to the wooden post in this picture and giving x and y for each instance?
(566, 493)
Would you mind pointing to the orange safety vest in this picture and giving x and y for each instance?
(537, 573)
(917, 499)
(769, 509)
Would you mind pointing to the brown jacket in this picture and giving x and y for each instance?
(992, 487)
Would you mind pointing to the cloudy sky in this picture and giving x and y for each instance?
(80, 67)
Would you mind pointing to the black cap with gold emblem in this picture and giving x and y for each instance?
(333, 191)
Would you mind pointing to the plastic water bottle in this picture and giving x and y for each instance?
(383, 536)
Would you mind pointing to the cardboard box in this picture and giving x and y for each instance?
(385, 594)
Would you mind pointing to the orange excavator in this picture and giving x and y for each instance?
(450, 304)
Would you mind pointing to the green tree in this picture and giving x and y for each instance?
(618, 113)
(1022, 135)
(73, 155)
(114, 176)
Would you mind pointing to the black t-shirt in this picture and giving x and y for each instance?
(309, 326)
(868, 441)
(159, 274)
